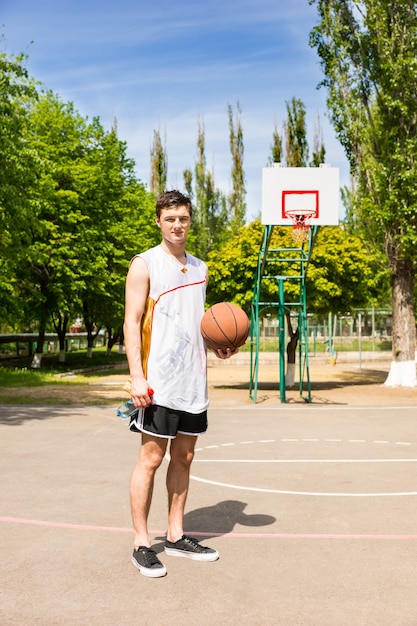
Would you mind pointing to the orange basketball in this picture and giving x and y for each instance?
(225, 325)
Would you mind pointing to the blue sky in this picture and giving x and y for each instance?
(165, 65)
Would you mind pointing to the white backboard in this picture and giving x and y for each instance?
(314, 189)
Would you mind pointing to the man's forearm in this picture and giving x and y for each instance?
(133, 351)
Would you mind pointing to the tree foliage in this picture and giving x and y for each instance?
(71, 221)
(276, 154)
(296, 153)
(232, 268)
(319, 150)
(159, 165)
(236, 200)
(50, 269)
(341, 274)
(17, 172)
(210, 223)
(368, 51)
(73, 213)
(296, 144)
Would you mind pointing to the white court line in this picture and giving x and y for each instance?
(297, 440)
(303, 493)
(304, 461)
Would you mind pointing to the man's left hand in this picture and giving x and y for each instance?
(226, 354)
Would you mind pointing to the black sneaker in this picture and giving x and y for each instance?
(147, 562)
(190, 548)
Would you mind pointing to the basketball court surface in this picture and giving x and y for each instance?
(313, 508)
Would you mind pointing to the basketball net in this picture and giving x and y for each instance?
(301, 220)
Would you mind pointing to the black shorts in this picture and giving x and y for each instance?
(167, 423)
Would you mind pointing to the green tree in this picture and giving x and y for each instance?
(159, 164)
(296, 144)
(368, 52)
(17, 176)
(232, 268)
(49, 268)
(210, 221)
(236, 200)
(276, 155)
(295, 134)
(91, 215)
(118, 218)
(319, 151)
(341, 276)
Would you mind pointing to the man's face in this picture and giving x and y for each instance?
(174, 223)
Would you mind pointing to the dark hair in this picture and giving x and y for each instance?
(170, 199)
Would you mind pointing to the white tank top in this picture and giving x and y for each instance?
(174, 356)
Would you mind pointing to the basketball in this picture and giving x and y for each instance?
(225, 325)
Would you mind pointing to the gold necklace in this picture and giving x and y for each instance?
(183, 269)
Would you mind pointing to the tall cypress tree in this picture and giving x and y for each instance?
(368, 52)
(237, 197)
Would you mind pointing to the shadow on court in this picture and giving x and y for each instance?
(16, 415)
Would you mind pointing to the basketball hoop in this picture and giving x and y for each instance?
(301, 219)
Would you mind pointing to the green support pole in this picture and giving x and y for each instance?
(373, 329)
(281, 334)
(254, 350)
(281, 265)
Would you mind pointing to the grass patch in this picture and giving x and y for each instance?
(346, 344)
(18, 373)
(25, 378)
(78, 360)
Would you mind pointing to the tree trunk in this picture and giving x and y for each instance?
(403, 366)
(91, 328)
(112, 338)
(291, 353)
(37, 357)
(121, 342)
(61, 327)
(92, 332)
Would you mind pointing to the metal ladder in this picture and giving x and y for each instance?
(292, 264)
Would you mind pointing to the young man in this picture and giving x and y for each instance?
(165, 297)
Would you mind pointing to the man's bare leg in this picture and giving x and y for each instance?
(177, 481)
(141, 485)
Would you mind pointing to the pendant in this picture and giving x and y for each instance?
(184, 270)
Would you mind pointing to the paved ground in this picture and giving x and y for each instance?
(313, 508)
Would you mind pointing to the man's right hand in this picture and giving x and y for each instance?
(141, 393)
